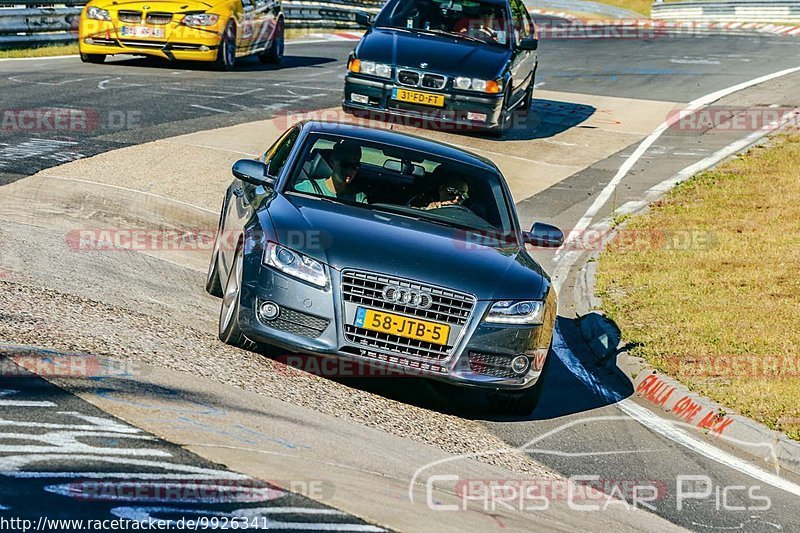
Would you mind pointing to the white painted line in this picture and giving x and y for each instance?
(37, 58)
(208, 147)
(25, 403)
(16, 466)
(312, 526)
(568, 259)
(665, 427)
(198, 106)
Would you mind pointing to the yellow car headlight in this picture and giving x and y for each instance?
(96, 13)
(200, 19)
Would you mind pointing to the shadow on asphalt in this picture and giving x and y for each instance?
(547, 118)
(246, 64)
(563, 392)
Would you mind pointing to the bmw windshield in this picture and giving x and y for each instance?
(470, 20)
(408, 183)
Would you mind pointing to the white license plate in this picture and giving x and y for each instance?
(142, 31)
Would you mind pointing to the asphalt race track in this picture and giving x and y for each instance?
(589, 423)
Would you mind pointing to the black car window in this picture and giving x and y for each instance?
(470, 19)
(420, 185)
(276, 156)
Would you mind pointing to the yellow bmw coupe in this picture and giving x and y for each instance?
(196, 30)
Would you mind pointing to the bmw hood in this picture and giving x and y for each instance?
(352, 237)
(448, 55)
(157, 5)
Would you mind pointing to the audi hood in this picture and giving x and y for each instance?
(348, 237)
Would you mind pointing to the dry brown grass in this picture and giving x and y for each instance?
(721, 313)
(640, 6)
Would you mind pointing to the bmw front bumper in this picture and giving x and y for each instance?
(314, 321)
(459, 109)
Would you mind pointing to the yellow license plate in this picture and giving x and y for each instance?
(402, 326)
(416, 97)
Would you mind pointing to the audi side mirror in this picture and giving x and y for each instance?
(253, 172)
(544, 236)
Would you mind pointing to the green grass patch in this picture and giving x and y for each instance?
(41, 51)
(708, 284)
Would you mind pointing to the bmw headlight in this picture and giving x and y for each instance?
(370, 68)
(98, 14)
(477, 84)
(200, 19)
(526, 312)
(295, 264)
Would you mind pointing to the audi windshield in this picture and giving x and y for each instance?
(414, 184)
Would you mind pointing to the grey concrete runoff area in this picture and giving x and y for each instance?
(117, 401)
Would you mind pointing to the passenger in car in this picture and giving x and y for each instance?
(451, 192)
(334, 178)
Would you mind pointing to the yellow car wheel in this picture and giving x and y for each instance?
(226, 53)
(92, 58)
(274, 54)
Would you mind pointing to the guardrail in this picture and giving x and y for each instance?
(731, 11)
(27, 23)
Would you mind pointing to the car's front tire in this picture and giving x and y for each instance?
(502, 121)
(229, 331)
(226, 53)
(93, 58)
(274, 54)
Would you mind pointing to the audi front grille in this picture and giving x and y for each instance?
(447, 306)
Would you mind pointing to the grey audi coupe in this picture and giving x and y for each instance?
(390, 250)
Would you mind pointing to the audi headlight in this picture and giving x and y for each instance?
(98, 14)
(527, 312)
(200, 19)
(477, 84)
(295, 264)
(370, 68)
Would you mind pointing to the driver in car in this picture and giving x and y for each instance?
(451, 192)
(345, 160)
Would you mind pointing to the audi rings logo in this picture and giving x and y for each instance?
(402, 295)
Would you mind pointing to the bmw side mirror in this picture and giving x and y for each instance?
(253, 172)
(363, 19)
(544, 236)
(529, 43)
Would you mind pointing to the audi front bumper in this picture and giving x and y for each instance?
(315, 321)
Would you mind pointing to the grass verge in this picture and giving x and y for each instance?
(716, 301)
(41, 51)
(640, 6)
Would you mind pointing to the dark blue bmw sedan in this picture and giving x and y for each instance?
(387, 249)
(464, 62)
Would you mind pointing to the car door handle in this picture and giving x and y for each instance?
(238, 192)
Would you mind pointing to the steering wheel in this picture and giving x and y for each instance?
(482, 33)
(455, 206)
